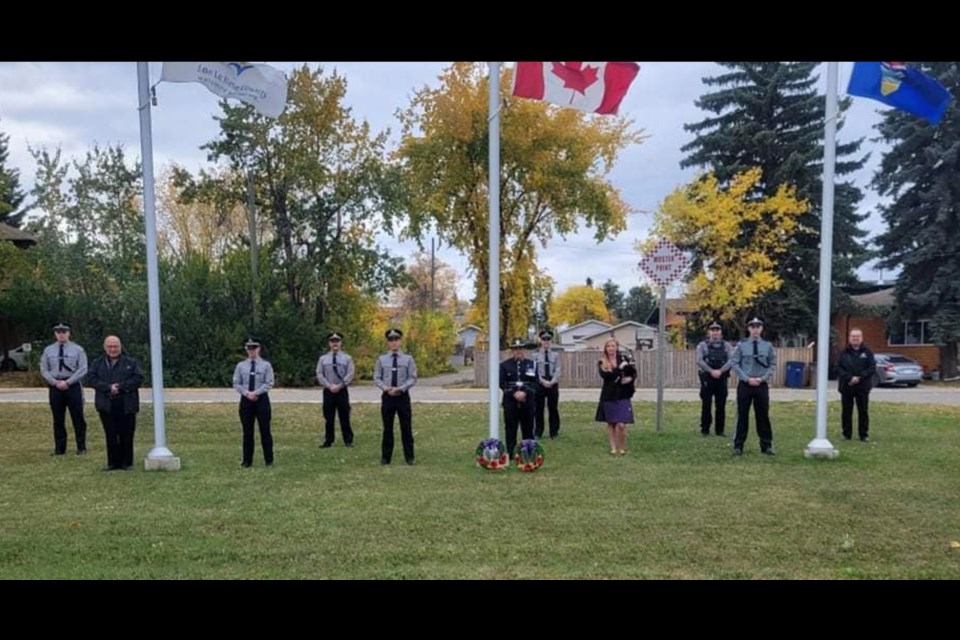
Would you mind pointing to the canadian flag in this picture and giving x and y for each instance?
(597, 87)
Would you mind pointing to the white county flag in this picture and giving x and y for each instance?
(259, 85)
(597, 87)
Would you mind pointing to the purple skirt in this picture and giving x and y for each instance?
(615, 411)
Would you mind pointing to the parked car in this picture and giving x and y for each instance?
(15, 359)
(893, 368)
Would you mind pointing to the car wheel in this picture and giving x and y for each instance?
(875, 382)
(6, 365)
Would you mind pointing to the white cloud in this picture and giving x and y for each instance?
(77, 104)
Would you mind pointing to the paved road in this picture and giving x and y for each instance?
(431, 390)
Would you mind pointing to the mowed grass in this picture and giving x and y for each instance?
(677, 506)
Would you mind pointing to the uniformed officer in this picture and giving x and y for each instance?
(394, 373)
(754, 361)
(547, 365)
(253, 379)
(713, 360)
(518, 379)
(335, 371)
(63, 365)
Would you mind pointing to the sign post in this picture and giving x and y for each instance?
(664, 263)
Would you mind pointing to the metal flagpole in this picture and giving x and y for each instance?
(820, 446)
(160, 457)
(493, 256)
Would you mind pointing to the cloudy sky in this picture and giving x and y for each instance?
(74, 105)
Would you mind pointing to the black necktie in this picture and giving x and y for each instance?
(253, 376)
(546, 366)
(62, 365)
(393, 375)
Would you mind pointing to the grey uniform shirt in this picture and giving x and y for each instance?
(746, 366)
(406, 371)
(74, 363)
(702, 357)
(262, 381)
(329, 374)
(554, 360)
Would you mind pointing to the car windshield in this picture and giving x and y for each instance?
(900, 360)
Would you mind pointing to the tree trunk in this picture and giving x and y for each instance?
(948, 361)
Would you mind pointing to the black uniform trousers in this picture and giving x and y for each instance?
(119, 428)
(337, 404)
(391, 406)
(260, 411)
(760, 398)
(713, 391)
(60, 401)
(862, 398)
(515, 413)
(547, 398)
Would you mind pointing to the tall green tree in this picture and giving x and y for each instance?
(11, 195)
(770, 115)
(919, 174)
(319, 176)
(614, 299)
(638, 304)
(554, 163)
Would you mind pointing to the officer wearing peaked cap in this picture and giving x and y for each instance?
(754, 362)
(518, 379)
(63, 366)
(252, 379)
(547, 364)
(395, 373)
(335, 371)
(713, 362)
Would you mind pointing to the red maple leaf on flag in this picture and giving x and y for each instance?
(573, 76)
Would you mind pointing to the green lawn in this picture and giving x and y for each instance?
(678, 506)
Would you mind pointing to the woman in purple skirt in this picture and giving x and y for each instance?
(616, 396)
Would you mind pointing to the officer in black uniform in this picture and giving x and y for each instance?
(754, 361)
(518, 378)
(547, 364)
(713, 360)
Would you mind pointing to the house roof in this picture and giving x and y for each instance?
(568, 329)
(881, 298)
(469, 326)
(615, 327)
(13, 234)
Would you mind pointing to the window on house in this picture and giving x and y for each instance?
(910, 333)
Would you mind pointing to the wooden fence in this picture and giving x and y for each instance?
(579, 368)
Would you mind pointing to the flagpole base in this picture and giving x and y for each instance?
(161, 459)
(821, 448)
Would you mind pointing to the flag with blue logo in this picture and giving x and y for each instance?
(899, 86)
(260, 85)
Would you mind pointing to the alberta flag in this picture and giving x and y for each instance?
(597, 87)
(260, 85)
(899, 86)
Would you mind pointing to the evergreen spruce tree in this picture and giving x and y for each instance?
(769, 115)
(920, 175)
(11, 196)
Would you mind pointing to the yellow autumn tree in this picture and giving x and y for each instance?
(579, 304)
(736, 239)
(553, 181)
